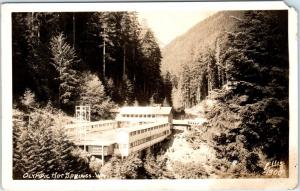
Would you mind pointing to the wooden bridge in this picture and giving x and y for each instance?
(177, 122)
(189, 122)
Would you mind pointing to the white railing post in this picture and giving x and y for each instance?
(102, 155)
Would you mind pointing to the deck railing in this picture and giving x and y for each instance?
(78, 129)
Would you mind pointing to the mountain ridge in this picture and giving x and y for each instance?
(202, 35)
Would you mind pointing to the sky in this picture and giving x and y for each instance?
(167, 25)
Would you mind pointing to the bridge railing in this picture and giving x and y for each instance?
(180, 122)
(187, 122)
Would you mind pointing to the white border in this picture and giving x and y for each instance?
(6, 73)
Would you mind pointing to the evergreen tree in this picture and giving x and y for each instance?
(168, 88)
(28, 100)
(135, 103)
(110, 44)
(31, 54)
(104, 24)
(152, 101)
(64, 60)
(18, 127)
(93, 94)
(42, 147)
(177, 98)
(127, 90)
(166, 103)
(149, 78)
(185, 86)
(250, 115)
(212, 70)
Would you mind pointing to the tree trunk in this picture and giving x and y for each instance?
(124, 61)
(73, 30)
(103, 56)
(209, 80)
(218, 64)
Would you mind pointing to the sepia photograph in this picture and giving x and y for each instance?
(151, 94)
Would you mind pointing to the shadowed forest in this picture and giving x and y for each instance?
(58, 56)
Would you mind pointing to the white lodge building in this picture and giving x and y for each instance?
(134, 129)
(144, 114)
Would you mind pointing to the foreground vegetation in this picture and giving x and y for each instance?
(242, 151)
(41, 149)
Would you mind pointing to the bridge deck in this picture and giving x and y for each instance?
(189, 122)
(180, 122)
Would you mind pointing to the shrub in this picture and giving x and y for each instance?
(42, 146)
(112, 168)
(189, 170)
(93, 94)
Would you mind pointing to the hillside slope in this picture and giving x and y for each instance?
(200, 37)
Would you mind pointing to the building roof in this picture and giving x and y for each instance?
(145, 110)
(100, 138)
(89, 123)
(141, 127)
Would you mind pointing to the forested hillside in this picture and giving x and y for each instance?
(54, 52)
(183, 49)
(245, 73)
(197, 61)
